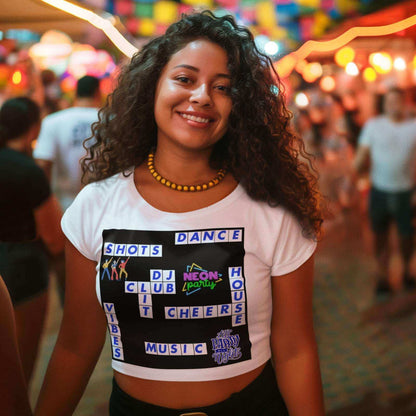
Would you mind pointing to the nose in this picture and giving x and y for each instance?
(200, 95)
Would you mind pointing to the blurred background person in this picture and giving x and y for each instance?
(29, 222)
(59, 149)
(388, 143)
(12, 383)
(59, 145)
(52, 92)
(310, 132)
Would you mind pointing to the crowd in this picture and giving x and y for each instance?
(192, 165)
(381, 153)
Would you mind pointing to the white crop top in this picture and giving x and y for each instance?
(187, 296)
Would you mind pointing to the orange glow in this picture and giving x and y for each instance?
(327, 83)
(68, 84)
(315, 68)
(300, 66)
(369, 74)
(17, 77)
(285, 65)
(344, 56)
(330, 45)
(4, 75)
(309, 73)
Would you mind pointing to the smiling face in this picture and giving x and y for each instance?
(192, 100)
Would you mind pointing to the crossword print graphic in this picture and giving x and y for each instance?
(175, 299)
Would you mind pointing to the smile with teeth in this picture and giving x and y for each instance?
(194, 118)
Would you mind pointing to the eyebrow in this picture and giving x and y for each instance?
(192, 68)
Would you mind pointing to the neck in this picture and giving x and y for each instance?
(85, 102)
(184, 167)
(17, 144)
(396, 117)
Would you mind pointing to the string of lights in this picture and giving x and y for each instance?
(284, 66)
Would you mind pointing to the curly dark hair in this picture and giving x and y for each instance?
(17, 116)
(259, 149)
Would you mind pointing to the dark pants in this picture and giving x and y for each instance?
(24, 268)
(385, 207)
(260, 398)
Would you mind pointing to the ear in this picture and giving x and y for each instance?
(32, 135)
(35, 130)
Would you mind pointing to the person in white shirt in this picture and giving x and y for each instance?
(59, 146)
(388, 143)
(59, 149)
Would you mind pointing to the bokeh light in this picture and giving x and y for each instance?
(327, 83)
(316, 69)
(369, 74)
(68, 84)
(352, 69)
(17, 77)
(271, 48)
(52, 52)
(399, 64)
(344, 56)
(381, 62)
(301, 100)
(312, 72)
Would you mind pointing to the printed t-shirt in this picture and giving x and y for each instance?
(187, 296)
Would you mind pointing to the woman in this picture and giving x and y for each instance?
(29, 220)
(194, 179)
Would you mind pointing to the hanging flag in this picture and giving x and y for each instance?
(266, 16)
(165, 12)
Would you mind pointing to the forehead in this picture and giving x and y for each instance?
(200, 53)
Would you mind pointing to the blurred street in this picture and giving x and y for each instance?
(367, 345)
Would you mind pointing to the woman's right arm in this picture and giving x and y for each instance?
(80, 341)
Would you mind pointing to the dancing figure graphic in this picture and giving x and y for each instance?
(105, 269)
(122, 267)
(114, 270)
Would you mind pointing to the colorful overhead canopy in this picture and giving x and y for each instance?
(289, 21)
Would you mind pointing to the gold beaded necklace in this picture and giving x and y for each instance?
(183, 188)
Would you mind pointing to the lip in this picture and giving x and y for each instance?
(198, 114)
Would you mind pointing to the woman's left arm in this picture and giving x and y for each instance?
(293, 342)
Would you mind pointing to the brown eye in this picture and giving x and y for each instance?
(223, 88)
(183, 80)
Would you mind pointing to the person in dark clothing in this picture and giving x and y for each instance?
(29, 223)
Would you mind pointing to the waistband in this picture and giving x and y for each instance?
(391, 192)
(261, 394)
